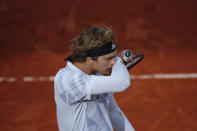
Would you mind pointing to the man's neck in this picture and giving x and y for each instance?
(83, 67)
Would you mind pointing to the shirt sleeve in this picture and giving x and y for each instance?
(117, 117)
(80, 87)
(118, 81)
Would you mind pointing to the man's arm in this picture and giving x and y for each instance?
(81, 87)
(117, 117)
(118, 81)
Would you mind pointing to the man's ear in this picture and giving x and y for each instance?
(89, 61)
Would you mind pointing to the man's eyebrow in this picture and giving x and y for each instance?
(111, 57)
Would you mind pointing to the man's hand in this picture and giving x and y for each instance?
(129, 59)
(126, 56)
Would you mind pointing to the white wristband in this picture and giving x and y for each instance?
(127, 54)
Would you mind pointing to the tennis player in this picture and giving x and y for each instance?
(84, 89)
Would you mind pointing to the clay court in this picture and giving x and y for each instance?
(35, 36)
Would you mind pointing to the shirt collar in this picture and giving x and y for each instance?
(74, 68)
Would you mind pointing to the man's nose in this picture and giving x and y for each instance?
(113, 61)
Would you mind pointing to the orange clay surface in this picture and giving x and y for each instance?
(35, 36)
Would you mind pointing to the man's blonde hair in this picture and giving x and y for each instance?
(90, 38)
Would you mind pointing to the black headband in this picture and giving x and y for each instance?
(99, 51)
(102, 50)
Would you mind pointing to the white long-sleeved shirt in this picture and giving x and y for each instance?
(86, 103)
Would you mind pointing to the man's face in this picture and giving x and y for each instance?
(105, 63)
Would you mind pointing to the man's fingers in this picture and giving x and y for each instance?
(136, 59)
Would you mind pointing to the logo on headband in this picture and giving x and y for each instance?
(113, 46)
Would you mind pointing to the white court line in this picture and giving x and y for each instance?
(165, 76)
(42, 78)
(142, 77)
(7, 79)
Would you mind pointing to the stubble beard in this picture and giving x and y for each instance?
(107, 72)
